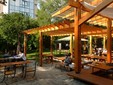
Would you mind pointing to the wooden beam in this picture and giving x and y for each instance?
(25, 43)
(90, 48)
(74, 3)
(77, 43)
(61, 11)
(104, 42)
(109, 41)
(69, 15)
(51, 44)
(71, 45)
(40, 48)
(100, 7)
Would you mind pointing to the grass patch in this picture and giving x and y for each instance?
(33, 55)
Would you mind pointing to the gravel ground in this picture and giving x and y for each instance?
(46, 75)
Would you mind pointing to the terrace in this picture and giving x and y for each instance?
(85, 14)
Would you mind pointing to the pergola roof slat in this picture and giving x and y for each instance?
(68, 12)
(65, 27)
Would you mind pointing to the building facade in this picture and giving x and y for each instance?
(27, 7)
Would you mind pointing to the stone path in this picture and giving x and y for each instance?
(48, 75)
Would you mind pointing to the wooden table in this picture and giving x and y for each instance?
(60, 58)
(6, 64)
(14, 63)
(8, 59)
(100, 66)
(95, 57)
(49, 57)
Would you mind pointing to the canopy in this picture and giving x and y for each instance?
(68, 39)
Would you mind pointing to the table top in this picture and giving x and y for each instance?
(101, 66)
(47, 55)
(14, 63)
(94, 56)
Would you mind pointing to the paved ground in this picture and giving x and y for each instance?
(47, 75)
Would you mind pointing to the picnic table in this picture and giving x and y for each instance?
(94, 57)
(11, 64)
(48, 57)
(101, 66)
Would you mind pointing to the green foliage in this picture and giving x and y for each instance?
(46, 8)
(11, 25)
(33, 42)
(44, 12)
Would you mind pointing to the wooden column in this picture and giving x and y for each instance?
(51, 48)
(104, 42)
(25, 43)
(71, 44)
(109, 40)
(40, 47)
(90, 49)
(77, 34)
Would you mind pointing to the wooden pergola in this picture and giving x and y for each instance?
(96, 12)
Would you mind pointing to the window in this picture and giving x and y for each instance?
(24, 4)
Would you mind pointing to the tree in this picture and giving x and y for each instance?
(45, 9)
(12, 25)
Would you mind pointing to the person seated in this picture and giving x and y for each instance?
(21, 56)
(104, 52)
(6, 55)
(67, 60)
(71, 66)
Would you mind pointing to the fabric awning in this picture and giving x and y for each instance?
(68, 39)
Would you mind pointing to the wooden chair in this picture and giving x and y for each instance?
(30, 68)
(8, 72)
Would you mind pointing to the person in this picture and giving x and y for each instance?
(21, 56)
(85, 49)
(6, 55)
(95, 51)
(104, 52)
(67, 60)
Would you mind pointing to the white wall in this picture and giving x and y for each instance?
(5, 8)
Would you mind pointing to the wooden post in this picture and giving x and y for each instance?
(104, 42)
(51, 48)
(90, 49)
(71, 45)
(109, 39)
(77, 34)
(40, 48)
(25, 43)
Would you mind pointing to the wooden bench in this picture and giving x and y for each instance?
(86, 75)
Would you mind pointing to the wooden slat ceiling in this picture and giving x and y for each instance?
(66, 27)
(100, 19)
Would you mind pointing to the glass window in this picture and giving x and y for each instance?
(12, 2)
(11, 11)
(21, 9)
(26, 10)
(16, 8)
(11, 7)
(31, 10)
(23, 6)
(31, 5)
(26, 3)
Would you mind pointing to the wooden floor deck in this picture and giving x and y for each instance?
(86, 75)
